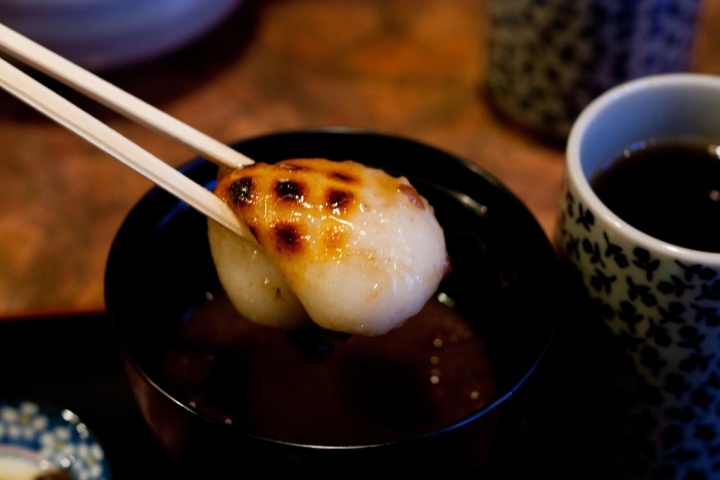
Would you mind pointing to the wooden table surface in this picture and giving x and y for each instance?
(408, 67)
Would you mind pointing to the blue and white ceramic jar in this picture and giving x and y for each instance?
(549, 58)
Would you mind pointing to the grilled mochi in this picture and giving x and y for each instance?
(350, 247)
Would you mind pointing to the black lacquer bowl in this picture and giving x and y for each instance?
(505, 281)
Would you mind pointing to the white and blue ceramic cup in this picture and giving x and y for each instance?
(660, 302)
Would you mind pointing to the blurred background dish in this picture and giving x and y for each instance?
(106, 34)
(36, 438)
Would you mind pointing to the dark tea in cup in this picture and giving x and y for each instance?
(669, 190)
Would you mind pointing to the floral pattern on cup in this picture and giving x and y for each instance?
(664, 316)
(55, 436)
(549, 58)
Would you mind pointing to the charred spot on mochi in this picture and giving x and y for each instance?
(288, 237)
(338, 199)
(343, 177)
(288, 190)
(412, 195)
(242, 191)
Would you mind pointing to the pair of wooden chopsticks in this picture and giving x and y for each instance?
(70, 116)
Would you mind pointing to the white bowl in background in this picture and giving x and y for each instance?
(104, 34)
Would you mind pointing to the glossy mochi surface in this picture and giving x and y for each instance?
(361, 249)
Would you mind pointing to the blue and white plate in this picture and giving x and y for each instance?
(37, 438)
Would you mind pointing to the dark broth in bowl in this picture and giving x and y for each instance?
(431, 372)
